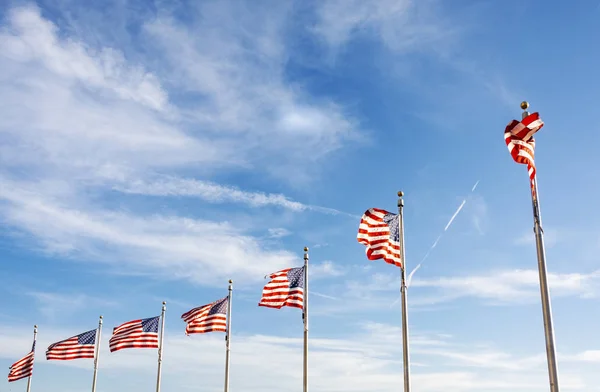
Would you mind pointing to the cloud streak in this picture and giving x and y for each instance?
(215, 193)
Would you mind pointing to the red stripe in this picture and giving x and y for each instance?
(518, 136)
(23, 368)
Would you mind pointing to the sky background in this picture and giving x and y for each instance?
(152, 150)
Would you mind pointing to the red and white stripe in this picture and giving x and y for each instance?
(518, 136)
(374, 233)
(200, 321)
(70, 349)
(23, 368)
(131, 335)
(277, 293)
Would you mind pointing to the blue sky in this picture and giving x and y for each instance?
(151, 151)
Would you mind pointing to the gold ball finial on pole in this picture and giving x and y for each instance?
(306, 248)
(230, 281)
(164, 302)
(524, 105)
(400, 193)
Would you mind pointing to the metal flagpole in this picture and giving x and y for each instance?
(541, 256)
(34, 339)
(97, 354)
(160, 344)
(228, 336)
(305, 318)
(403, 290)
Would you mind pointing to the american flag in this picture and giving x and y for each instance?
(135, 334)
(23, 368)
(379, 231)
(207, 318)
(80, 346)
(518, 136)
(286, 288)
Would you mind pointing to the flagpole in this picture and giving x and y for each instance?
(545, 293)
(97, 354)
(305, 318)
(34, 339)
(403, 290)
(228, 336)
(160, 345)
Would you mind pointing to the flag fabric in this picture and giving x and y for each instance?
(518, 136)
(380, 233)
(286, 288)
(135, 334)
(207, 318)
(23, 368)
(76, 347)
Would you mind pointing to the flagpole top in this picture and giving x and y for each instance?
(524, 105)
(400, 193)
(101, 317)
(164, 302)
(35, 326)
(230, 281)
(306, 248)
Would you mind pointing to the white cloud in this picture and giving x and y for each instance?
(512, 286)
(402, 25)
(278, 232)
(33, 39)
(201, 251)
(55, 305)
(360, 361)
(237, 68)
(325, 268)
(77, 119)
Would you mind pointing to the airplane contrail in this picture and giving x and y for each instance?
(460, 207)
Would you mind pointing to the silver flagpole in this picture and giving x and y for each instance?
(541, 256)
(160, 344)
(97, 355)
(305, 318)
(228, 336)
(403, 290)
(34, 339)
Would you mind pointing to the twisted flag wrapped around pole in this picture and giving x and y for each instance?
(518, 136)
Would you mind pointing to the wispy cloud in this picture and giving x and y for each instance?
(164, 246)
(215, 193)
(52, 304)
(402, 25)
(80, 118)
(509, 287)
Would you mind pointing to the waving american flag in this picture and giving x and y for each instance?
(286, 288)
(79, 346)
(207, 318)
(380, 233)
(135, 334)
(23, 368)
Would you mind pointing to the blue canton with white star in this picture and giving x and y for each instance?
(88, 337)
(392, 221)
(220, 306)
(150, 324)
(296, 277)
